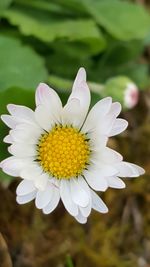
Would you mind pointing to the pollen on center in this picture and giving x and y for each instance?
(64, 152)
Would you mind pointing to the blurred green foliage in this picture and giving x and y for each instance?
(49, 40)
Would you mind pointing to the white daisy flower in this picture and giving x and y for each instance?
(61, 153)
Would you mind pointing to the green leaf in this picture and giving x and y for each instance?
(123, 20)
(19, 65)
(4, 4)
(47, 28)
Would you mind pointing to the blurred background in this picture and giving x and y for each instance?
(48, 40)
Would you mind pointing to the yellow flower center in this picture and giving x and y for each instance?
(64, 152)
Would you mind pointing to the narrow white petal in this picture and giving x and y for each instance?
(47, 97)
(108, 155)
(65, 194)
(44, 118)
(41, 181)
(12, 165)
(115, 182)
(95, 115)
(22, 150)
(26, 133)
(97, 142)
(53, 203)
(105, 125)
(98, 204)
(103, 168)
(9, 121)
(21, 113)
(31, 172)
(95, 180)
(115, 109)
(79, 195)
(71, 113)
(80, 77)
(85, 211)
(8, 139)
(80, 218)
(127, 169)
(80, 99)
(137, 169)
(25, 187)
(26, 198)
(119, 126)
(44, 197)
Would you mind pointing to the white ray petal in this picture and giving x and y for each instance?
(98, 204)
(25, 187)
(127, 169)
(47, 97)
(41, 181)
(31, 172)
(8, 139)
(53, 203)
(44, 197)
(26, 133)
(108, 155)
(115, 182)
(79, 99)
(119, 126)
(12, 165)
(26, 198)
(22, 113)
(95, 115)
(44, 118)
(65, 194)
(9, 121)
(96, 180)
(115, 109)
(79, 195)
(80, 218)
(22, 150)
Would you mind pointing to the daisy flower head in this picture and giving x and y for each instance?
(61, 152)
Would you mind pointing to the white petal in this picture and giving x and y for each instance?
(25, 133)
(21, 113)
(100, 109)
(22, 150)
(47, 97)
(8, 139)
(9, 121)
(85, 211)
(119, 126)
(80, 99)
(97, 143)
(79, 195)
(105, 125)
(127, 169)
(44, 197)
(31, 172)
(95, 180)
(41, 181)
(53, 203)
(25, 187)
(80, 218)
(44, 118)
(115, 109)
(108, 155)
(115, 182)
(98, 204)
(26, 198)
(65, 194)
(13, 165)
(80, 77)
(103, 168)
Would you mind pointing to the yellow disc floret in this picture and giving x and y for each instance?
(63, 152)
